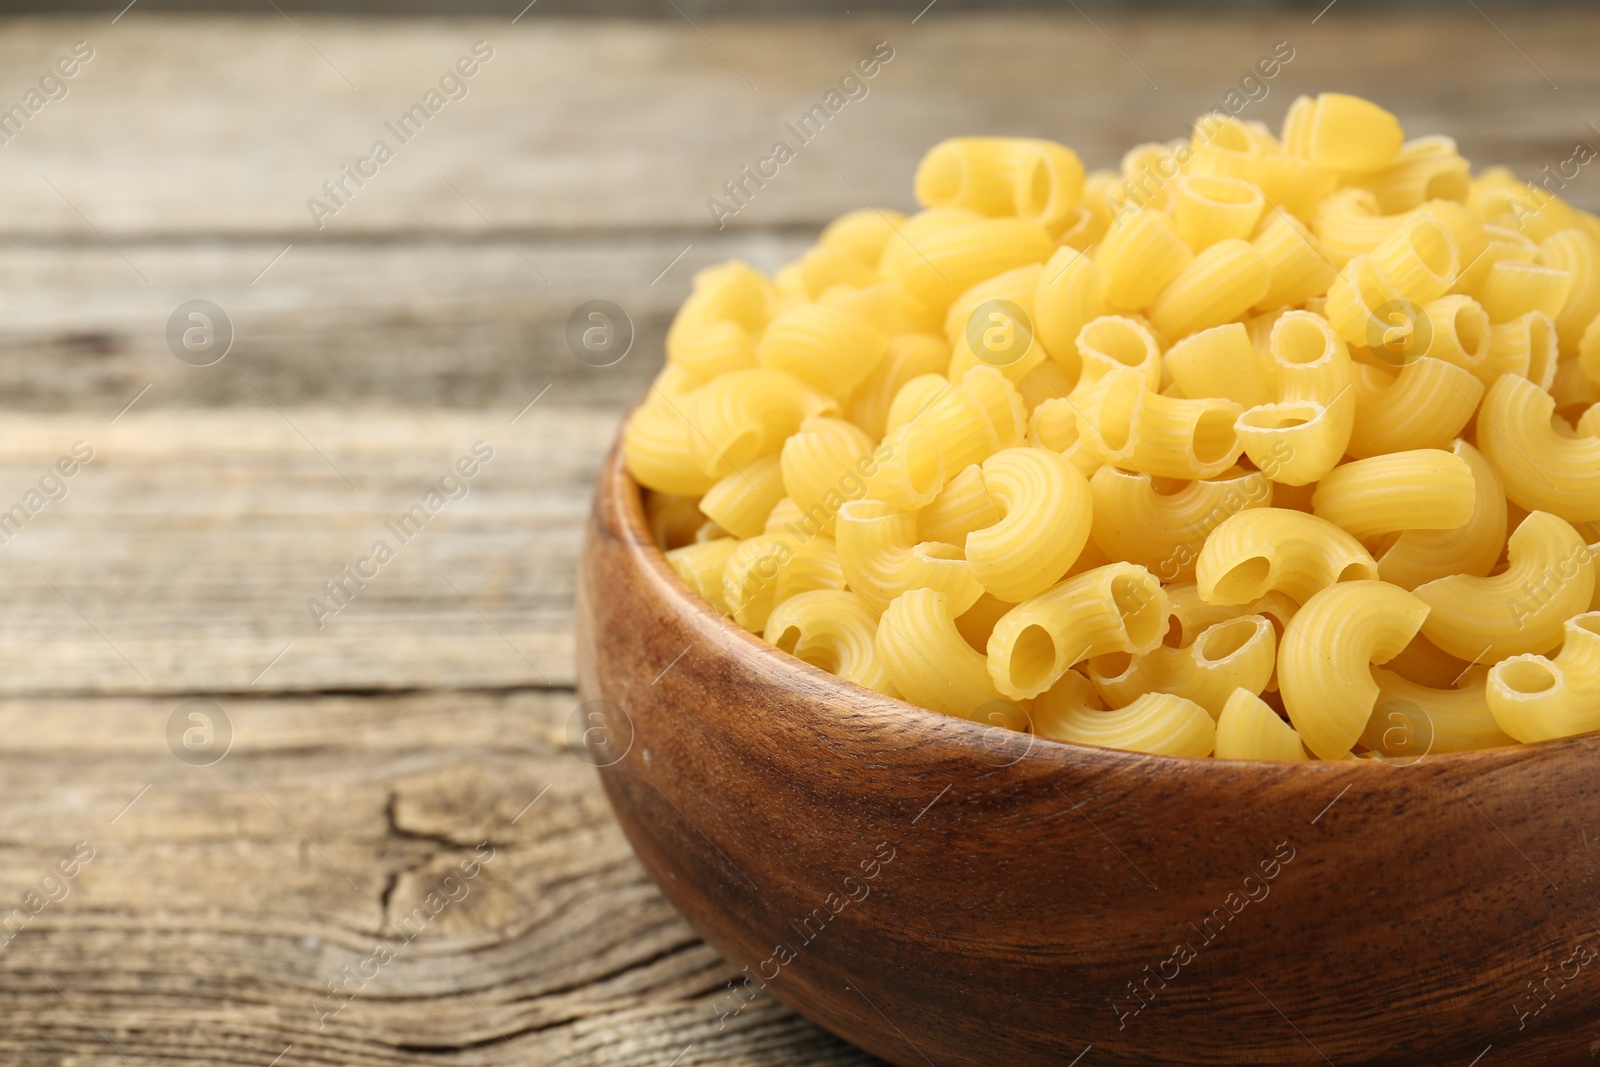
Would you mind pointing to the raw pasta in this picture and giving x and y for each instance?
(1294, 455)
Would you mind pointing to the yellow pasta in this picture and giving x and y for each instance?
(1550, 577)
(1163, 530)
(1324, 663)
(715, 330)
(828, 348)
(1116, 608)
(1216, 286)
(927, 659)
(764, 571)
(1342, 133)
(1030, 488)
(1162, 456)
(835, 630)
(1535, 698)
(1424, 489)
(1032, 179)
(1515, 288)
(1303, 433)
(1265, 550)
(949, 261)
(1236, 653)
(1420, 556)
(1219, 362)
(1427, 168)
(1249, 729)
(1140, 254)
(701, 566)
(908, 356)
(1071, 293)
(741, 501)
(1425, 405)
(1412, 720)
(1578, 254)
(1539, 468)
(1210, 208)
(862, 233)
(1298, 267)
(1158, 723)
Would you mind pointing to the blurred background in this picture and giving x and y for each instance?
(368, 318)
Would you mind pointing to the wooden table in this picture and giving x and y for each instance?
(423, 726)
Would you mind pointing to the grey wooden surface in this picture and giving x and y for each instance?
(371, 755)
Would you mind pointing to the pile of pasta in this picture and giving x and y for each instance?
(1261, 447)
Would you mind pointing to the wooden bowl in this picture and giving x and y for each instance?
(940, 893)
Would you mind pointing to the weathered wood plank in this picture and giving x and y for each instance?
(182, 557)
(443, 323)
(184, 125)
(215, 910)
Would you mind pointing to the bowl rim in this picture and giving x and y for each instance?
(627, 498)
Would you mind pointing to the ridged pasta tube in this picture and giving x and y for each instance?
(1420, 556)
(882, 558)
(1297, 265)
(1325, 660)
(1412, 720)
(1425, 405)
(1578, 253)
(1032, 489)
(1116, 608)
(1162, 530)
(1157, 723)
(1427, 168)
(1263, 550)
(1342, 132)
(765, 570)
(1420, 259)
(1219, 362)
(741, 501)
(1210, 208)
(1071, 293)
(1423, 489)
(715, 330)
(1027, 177)
(1535, 698)
(1216, 286)
(822, 466)
(701, 566)
(1303, 434)
(835, 630)
(1549, 578)
(1237, 653)
(927, 659)
(953, 259)
(1140, 254)
(1540, 469)
(829, 348)
(746, 414)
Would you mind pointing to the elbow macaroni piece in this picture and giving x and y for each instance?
(1535, 698)
(1029, 488)
(1550, 577)
(1116, 608)
(834, 630)
(1324, 664)
(1540, 469)
(1208, 436)
(1266, 550)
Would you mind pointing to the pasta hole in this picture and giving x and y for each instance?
(1299, 340)
(1433, 246)
(1588, 623)
(788, 639)
(1116, 339)
(1471, 324)
(1527, 676)
(1033, 658)
(1226, 638)
(1113, 665)
(1034, 189)
(1164, 486)
(1360, 571)
(825, 657)
(1214, 439)
(1174, 638)
(1245, 581)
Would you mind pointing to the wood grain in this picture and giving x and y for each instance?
(928, 886)
(420, 319)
